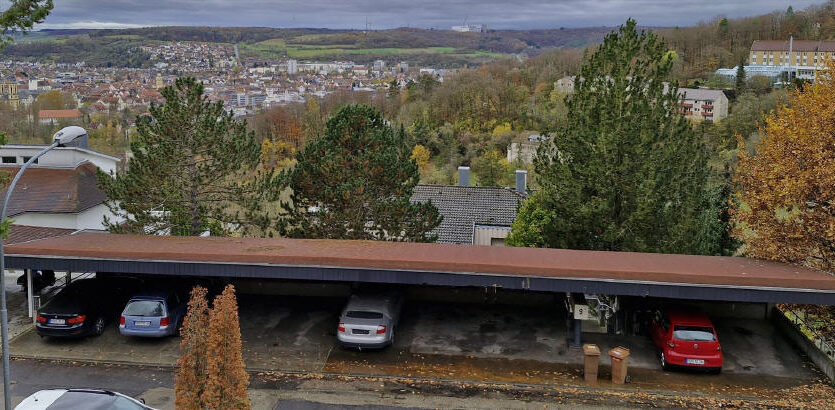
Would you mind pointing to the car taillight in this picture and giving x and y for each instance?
(77, 319)
(718, 348)
(41, 319)
(381, 329)
(165, 321)
(341, 328)
(121, 320)
(671, 344)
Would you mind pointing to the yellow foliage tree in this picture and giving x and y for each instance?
(421, 155)
(502, 129)
(228, 379)
(785, 210)
(191, 376)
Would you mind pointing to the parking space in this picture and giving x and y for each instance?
(298, 333)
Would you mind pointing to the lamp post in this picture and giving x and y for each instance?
(61, 138)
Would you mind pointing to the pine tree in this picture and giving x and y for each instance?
(192, 375)
(625, 172)
(741, 80)
(228, 379)
(194, 168)
(355, 182)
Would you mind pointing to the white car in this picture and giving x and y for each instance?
(80, 399)
(369, 321)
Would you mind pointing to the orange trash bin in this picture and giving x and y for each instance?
(591, 359)
(619, 357)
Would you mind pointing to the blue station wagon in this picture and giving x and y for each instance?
(153, 314)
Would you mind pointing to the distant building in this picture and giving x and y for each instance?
(787, 59)
(565, 85)
(292, 67)
(159, 84)
(472, 28)
(8, 93)
(54, 116)
(402, 67)
(524, 150)
(702, 104)
(379, 66)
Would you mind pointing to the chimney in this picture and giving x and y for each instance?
(521, 181)
(463, 176)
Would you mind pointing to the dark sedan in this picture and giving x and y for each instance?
(85, 307)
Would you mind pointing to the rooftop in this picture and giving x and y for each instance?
(643, 274)
(54, 190)
(463, 207)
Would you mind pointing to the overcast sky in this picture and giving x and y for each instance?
(513, 14)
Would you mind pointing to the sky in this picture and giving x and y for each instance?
(382, 14)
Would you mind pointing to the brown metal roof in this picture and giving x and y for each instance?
(550, 263)
(55, 190)
(797, 45)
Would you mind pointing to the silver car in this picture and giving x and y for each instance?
(369, 321)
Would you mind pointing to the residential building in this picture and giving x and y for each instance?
(702, 104)
(60, 191)
(379, 66)
(470, 28)
(524, 149)
(52, 117)
(292, 67)
(474, 214)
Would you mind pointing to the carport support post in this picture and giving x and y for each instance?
(30, 301)
(578, 332)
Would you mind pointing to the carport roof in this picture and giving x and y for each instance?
(694, 277)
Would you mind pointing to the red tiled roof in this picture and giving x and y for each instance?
(55, 190)
(463, 259)
(59, 113)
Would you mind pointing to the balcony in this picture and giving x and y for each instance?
(707, 114)
(707, 106)
(687, 105)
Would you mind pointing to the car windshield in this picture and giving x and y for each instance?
(145, 308)
(694, 333)
(362, 314)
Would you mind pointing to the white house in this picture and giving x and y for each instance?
(60, 190)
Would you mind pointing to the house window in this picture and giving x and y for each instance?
(496, 241)
(26, 159)
(10, 160)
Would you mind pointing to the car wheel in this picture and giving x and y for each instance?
(664, 365)
(391, 339)
(98, 326)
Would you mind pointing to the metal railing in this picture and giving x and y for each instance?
(824, 343)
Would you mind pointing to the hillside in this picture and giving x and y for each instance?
(417, 46)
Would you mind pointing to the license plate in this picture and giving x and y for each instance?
(695, 361)
(57, 321)
(142, 324)
(360, 332)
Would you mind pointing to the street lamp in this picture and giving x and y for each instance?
(63, 137)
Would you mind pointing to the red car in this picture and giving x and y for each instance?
(686, 339)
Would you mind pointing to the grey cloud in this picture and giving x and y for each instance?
(514, 14)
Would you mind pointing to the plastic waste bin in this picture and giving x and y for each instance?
(591, 356)
(619, 357)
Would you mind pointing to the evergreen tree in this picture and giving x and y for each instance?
(355, 182)
(194, 168)
(741, 80)
(625, 172)
(228, 379)
(192, 375)
(21, 16)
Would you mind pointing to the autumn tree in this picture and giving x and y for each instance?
(420, 155)
(194, 169)
(741, 82)
(625, 172)
(356, 182)
(192, 373)
(228, 379)
(785, 209)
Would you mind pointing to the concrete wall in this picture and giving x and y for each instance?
(484, 235)
(91, 218)
(824, 363)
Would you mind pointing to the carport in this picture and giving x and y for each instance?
(540, 270)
